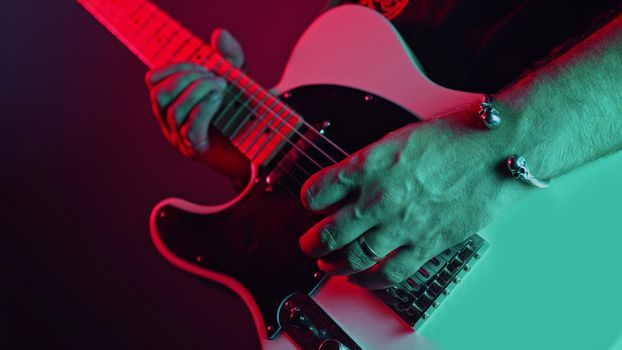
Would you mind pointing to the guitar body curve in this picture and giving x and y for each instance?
(251, 243)
(519, 296)
(550, 281)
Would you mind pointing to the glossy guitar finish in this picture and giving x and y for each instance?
(256, 240)
(533, 288)
(550, 280)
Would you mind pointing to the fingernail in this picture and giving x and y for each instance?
(222, 83)
(215, 95)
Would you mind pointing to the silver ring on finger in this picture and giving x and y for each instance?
(368, 250)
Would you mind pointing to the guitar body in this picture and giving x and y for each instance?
(550, 279)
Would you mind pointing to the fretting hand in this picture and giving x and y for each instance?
(185, 97)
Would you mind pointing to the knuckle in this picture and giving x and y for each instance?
(390, 196)
(395, 273)
(359, 213)
(356, 262)
(311, 194)
(308, 197)
(342, 177)
(160, 98)
(327, 237)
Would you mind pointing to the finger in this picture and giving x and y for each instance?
(177, 113)
(196, 128)
(169, 90)
(157, 75)
(228, 46)
(394, 269)
(197, 90)
(335, 231)
(326, 188)
(352, 258)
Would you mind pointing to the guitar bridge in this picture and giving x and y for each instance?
(415, 299)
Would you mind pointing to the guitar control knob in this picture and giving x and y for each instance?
(332, 344)
(299, 319)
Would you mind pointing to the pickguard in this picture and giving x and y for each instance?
(255, 241)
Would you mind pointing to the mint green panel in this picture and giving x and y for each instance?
(552, 277)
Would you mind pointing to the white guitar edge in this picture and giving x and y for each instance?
(180, 263)
(321, 58)
(356, 47)
(353, 308)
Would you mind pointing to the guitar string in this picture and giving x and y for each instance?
(320, 135)
(270, 127)
(295, 179)
(302, 136)
(234, 82)
(268, 109)
(299, 166)
(229, 91)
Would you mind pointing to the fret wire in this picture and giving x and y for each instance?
(181, 37)
(257, 121)
(302, 153)
(274, 114)
(118, 14)
(252, 112)
(294, 145)
(262, 131)
(247, 116)
(256, 98)
(231, 103)
(284, 121)
(242, 90)
(115, 18)
(155, 32)
(228, 87)
(150, 10)
(179, 48)
(164, 43)
(168, 32)
(295, 131)
(287, 139)
(231, 121)
(130, 25)
(219, 118)
(191, 50)
(145, 24)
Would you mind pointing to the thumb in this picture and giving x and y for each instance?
(227, 46)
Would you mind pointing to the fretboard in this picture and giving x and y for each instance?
(256, 122)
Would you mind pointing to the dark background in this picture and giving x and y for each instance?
(82, 164)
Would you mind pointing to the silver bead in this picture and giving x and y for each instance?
(488, 114)
(492, 119)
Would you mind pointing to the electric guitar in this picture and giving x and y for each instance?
(550, 279)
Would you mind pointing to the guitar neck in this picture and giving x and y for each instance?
(255, 121)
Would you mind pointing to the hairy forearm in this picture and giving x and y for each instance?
(568, 112)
